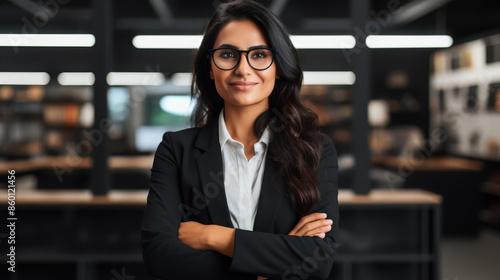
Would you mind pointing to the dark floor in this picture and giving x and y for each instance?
(470, 258)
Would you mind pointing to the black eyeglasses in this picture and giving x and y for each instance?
(259, 58)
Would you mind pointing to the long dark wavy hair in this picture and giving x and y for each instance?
(296, 142)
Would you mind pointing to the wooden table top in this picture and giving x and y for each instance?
(138, 197)
(68, 161)
(447, 163)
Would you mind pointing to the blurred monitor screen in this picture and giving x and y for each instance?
(162, 114)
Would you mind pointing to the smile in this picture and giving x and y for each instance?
(243, 85)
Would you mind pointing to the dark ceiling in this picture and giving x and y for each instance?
(462, 19)
(458, 18)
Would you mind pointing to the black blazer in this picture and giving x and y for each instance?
(187, 184)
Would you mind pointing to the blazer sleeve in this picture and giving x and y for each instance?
(164, 255)
(288, 257)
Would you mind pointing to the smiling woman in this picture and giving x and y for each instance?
(242, 87)
(246, 192)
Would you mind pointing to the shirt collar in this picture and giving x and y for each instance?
(224, 135)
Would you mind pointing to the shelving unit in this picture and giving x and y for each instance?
(333, 104)
(44, 120)
(385, 235)
(490, 201)
(21, 128)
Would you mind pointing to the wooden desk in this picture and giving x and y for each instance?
(138, 197)
(457, 180)
(388, 234)
(428, 164)
(49, 162)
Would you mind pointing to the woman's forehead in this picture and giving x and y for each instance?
(242, 34)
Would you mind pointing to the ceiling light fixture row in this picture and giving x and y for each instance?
(193, 41)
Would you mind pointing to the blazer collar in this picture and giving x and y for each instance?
(212, 183)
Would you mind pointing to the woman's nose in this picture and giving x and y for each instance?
(243, 67)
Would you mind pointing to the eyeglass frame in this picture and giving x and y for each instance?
(273, 52)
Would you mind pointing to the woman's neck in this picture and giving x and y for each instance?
(240, 121)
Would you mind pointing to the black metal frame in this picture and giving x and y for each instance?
(429, 236)
(211, 52)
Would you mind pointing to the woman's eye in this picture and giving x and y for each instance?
(227, 55)
(259, 55)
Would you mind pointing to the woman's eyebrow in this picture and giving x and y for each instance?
(258, 46)
(229, 46)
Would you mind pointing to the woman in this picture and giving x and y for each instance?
(249, 192)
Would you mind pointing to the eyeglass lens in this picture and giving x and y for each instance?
(228, 58)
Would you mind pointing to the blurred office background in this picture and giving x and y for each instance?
(86, 95)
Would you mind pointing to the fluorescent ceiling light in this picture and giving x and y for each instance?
(182, 79)
(410, 41)
(135, 79)
(76, 78)
(47, 40)
(329, 78)
(24, 78)
(323, 42)
(167, 41)
(194, 41)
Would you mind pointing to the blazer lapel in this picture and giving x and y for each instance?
(212, 183)
(212, 174)
(270, 197)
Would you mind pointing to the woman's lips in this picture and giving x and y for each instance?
(243, 85)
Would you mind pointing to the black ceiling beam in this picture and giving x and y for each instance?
(360, 59)
(162, 10)
(198, 24)
(277, 6)
(326, 24)
(415, 10)
(30, 7)
(176, 25)
(100, 172)
(14, 15)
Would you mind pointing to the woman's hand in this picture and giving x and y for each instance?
(194, 235)
(314, 224)
(311, 225)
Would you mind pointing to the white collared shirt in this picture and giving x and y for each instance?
(242, 177)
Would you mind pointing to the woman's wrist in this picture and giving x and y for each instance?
(220, 239)
(207, 238)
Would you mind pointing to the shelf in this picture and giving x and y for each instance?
(63, 126)
(65, 101)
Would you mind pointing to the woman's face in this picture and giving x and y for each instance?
(243, 85)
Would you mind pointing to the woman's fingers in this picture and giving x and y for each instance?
(315, 227)
(322, 234)
(306, 219)
(311, 225)
(319, 229)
